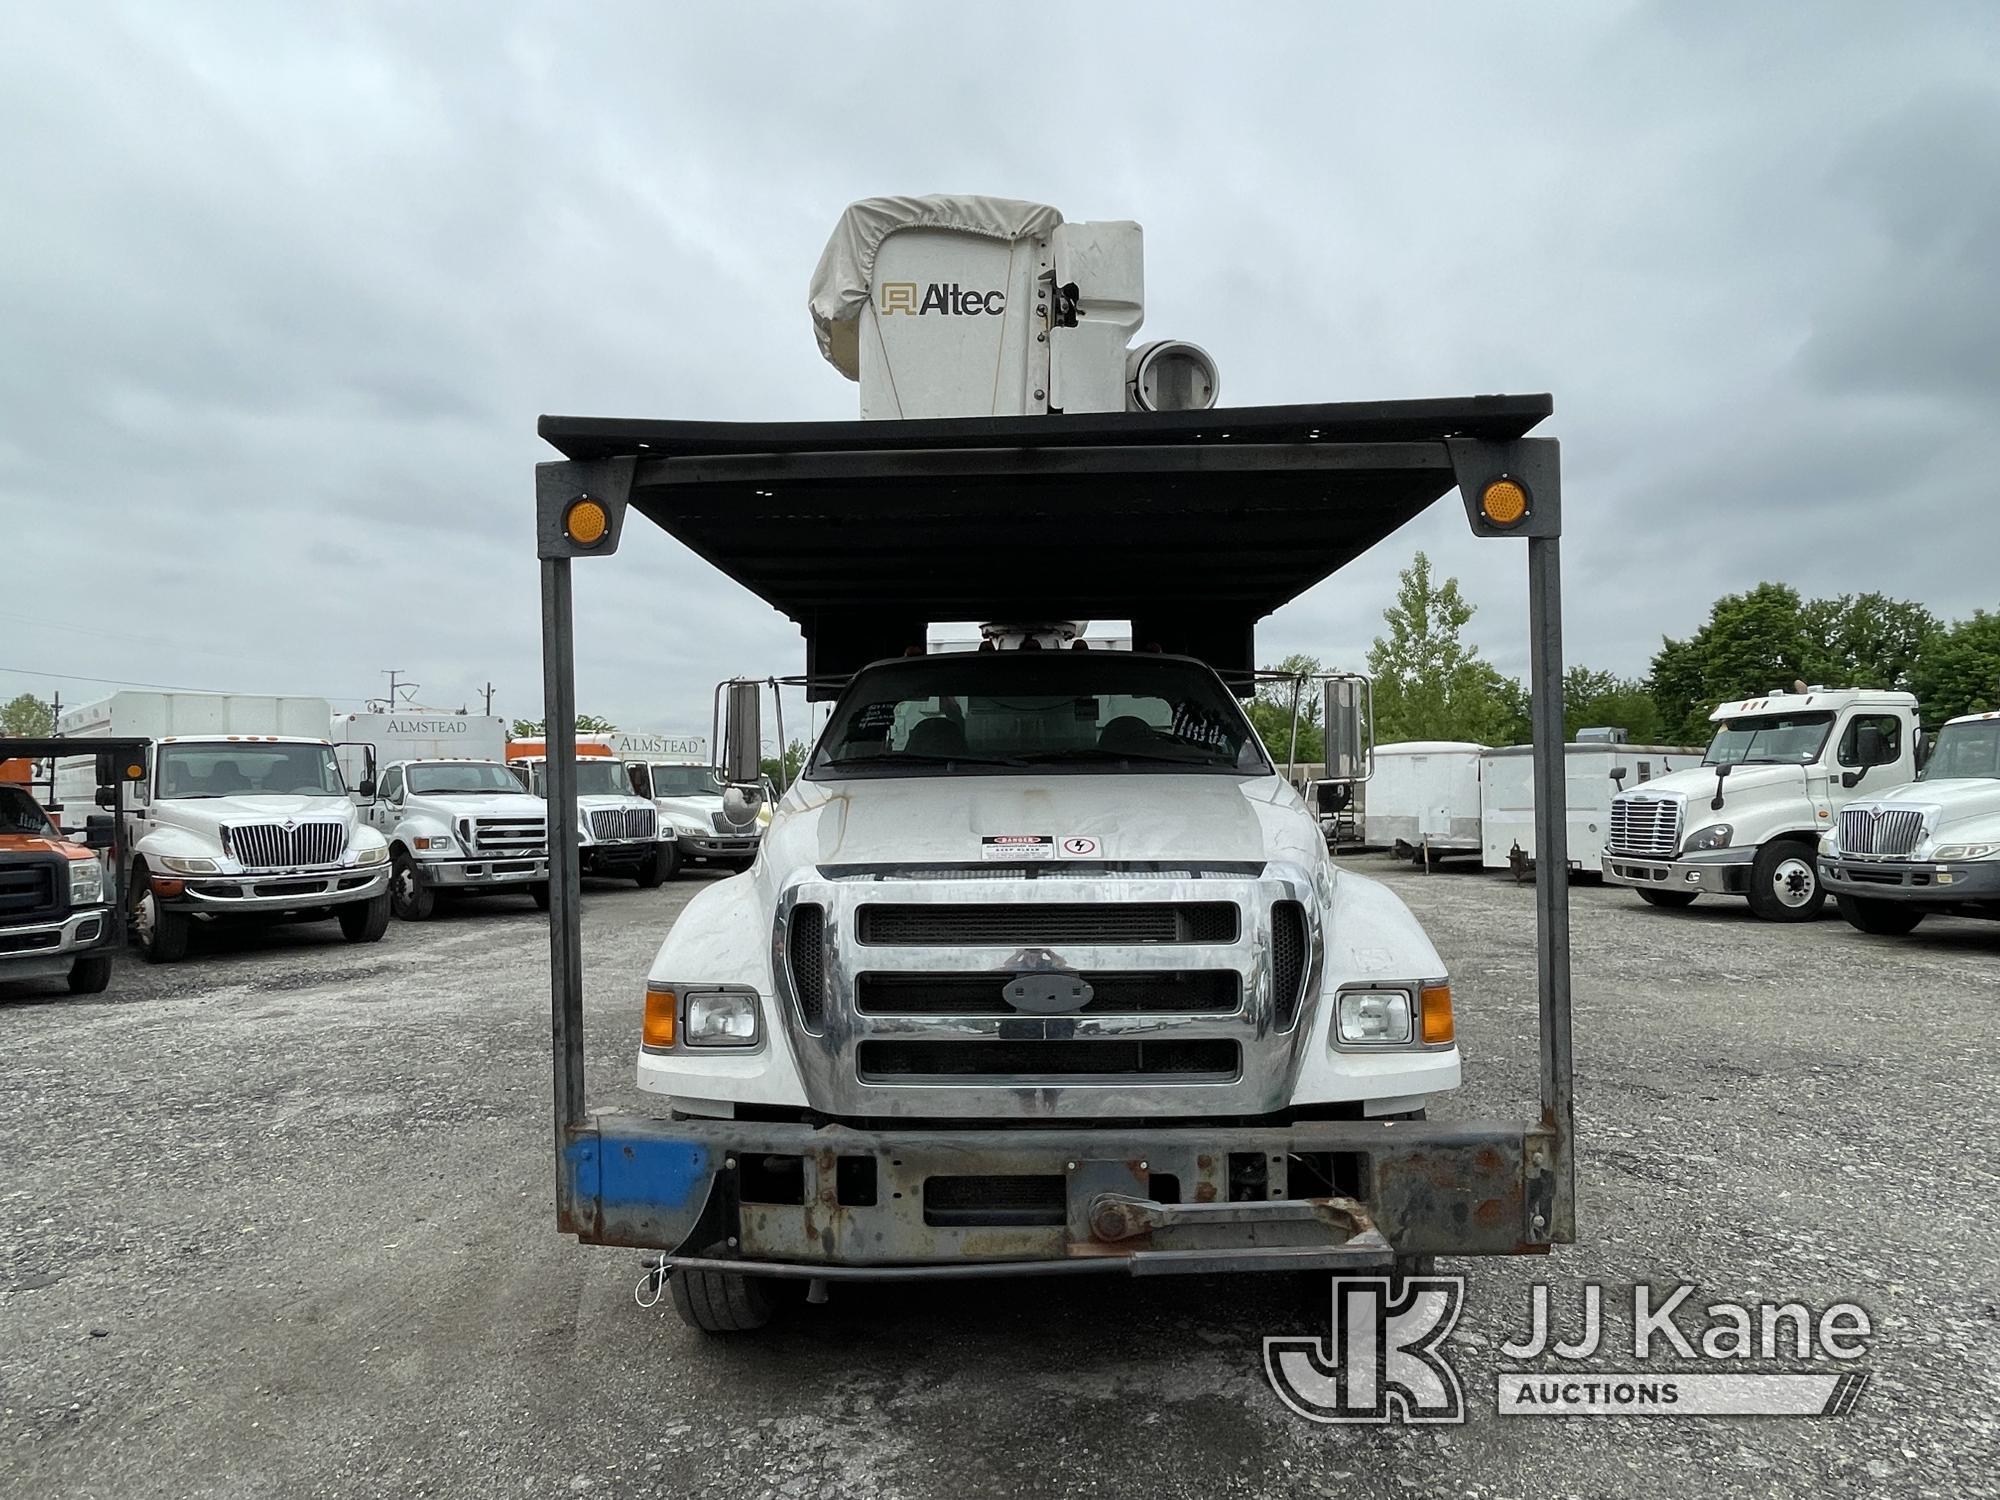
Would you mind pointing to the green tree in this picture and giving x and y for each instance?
(1592, 698)
(1753, 643)
(529, 729)
(1430, 684)
(784, 770)
(1865, 640)
(1959, 672)
(1270, 709)
(27, 715)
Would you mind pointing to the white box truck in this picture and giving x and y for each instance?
(457, 819)
(677, 774)
(1594, 770)
(1927, 847)
(1748, 819)
(242, 812)
(1423, 800)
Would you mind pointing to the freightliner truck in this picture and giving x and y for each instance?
(1044, 967)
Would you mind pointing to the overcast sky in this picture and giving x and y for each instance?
(285, 289)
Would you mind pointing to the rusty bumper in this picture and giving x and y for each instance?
(793, 1199)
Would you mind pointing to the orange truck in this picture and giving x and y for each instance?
(55, 908)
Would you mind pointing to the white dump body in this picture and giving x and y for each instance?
(1507, 796)
(1425, 794)
(156, 716)
(415, 735)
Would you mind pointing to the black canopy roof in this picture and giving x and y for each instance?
(1193, 525)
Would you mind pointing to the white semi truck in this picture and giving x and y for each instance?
(1044, 968)
(1748, 820)
(242, 812)
(1929, 847)
(457, 819)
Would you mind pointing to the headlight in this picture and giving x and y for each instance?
(188, 866)
(378, 855)
(1715, 836)
(1965, 851)
(86, 882)
(720, 1018)
(439, 844)
(1375, 1016)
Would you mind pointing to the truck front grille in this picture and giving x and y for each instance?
(271, 846)
(27, 891)
(609, 824)
(1645, 825)
(1184, 1060)
(808, 963)
(504, 836)
(1887, 832)
(1047, 924)
(1167, 992)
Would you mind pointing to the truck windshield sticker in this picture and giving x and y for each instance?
(1017, 846)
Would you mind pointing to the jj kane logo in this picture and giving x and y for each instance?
(946, 297)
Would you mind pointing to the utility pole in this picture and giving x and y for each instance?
(395, 687)
(488, 691)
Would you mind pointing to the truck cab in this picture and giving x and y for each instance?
(1748, 820)
(618, 831)
(707, 828)
(1928, 846)
(55, 906)
(459, 827)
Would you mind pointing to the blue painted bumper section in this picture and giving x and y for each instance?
(641, 1189)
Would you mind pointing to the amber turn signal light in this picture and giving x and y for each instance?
(1435, 1004)
(657, 1034)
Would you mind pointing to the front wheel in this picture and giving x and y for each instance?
(1886, 918)
(1784, 882)
(89, 975)
(365, 921)
(1665, 898)
(411, 899)
(541, 895)
(722, 1301)
(162, 934)
(656, 867)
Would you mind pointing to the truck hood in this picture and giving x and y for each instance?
(483, 804)
(207, 815)
(943, 819)
(1698, 782)
(1947, 802)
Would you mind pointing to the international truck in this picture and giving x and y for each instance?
(675, 773)
(1930, 847)
(1044, 968)
(1748, 820)
(458, 821)
(617, 836)
(240, 812)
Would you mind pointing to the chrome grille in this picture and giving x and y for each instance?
(504, 836)
(1888, 832)
(1050, 923)
(1645, 825)
(611, 823)
(271, 846)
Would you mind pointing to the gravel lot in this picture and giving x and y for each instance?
(280, 1216)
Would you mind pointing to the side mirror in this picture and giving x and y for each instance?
(742, 734)
(366, 791)
(99, 832)
(1618, 775)
(737, 806)
(1347, 728)
(107, 796)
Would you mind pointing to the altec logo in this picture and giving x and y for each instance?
(939, 297)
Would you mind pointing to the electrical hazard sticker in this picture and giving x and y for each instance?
(1079, 846)
(1017, 846)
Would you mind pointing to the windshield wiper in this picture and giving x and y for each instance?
(918, 757)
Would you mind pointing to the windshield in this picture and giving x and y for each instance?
(1965, 751)
(247, 768)
(685, 781)
(462, 776)
(20, 813)
(992, 712)
(601, 778)
(1770, 739)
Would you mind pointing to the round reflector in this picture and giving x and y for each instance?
(585, 522)
(1503, 502)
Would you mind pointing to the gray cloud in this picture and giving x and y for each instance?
(285, 292)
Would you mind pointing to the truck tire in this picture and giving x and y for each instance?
(1886, 918)
(365, 921)
(1665, 898)
(721, 1301)
(90, 974)
(409, 897)
(541, 895)
(161, 934)
(1784, 882)
(655, 867)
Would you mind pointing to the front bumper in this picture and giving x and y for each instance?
(272, 892)
(1928, 882)
(623, 855)
(716, 845)
(1722, 872)
(35, 950)
(470, 874)
(794, 1199)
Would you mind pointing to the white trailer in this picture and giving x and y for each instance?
(1595, 773)
(1423, 800)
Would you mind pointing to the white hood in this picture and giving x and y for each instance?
(485, 804)
(1946, 803)
(1700, 782)
(1169, 818)
(208, 815)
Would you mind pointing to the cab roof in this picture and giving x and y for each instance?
(1820, 699)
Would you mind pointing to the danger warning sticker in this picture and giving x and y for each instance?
(1017, 846)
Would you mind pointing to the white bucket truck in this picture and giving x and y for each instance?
(1044, 967)
(243, 811)
(1931, 847)
(457, 819)
(675, 772)
(1748, 820)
